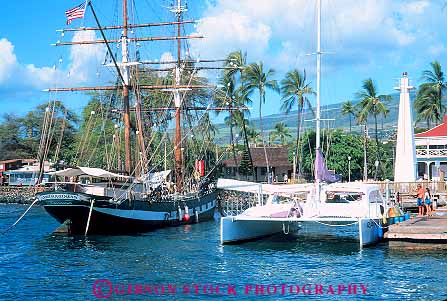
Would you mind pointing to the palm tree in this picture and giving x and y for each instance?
(349, 109)
(226, 97)
(371, 103)
(436, 78)
(428, 104)
(294, 89)
(253, 136)
(255, 78)
(236, 62)
(281, 132)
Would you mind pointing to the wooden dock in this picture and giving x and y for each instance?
(420, 232)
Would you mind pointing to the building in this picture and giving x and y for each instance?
(431, 152)
(278, 157)
(24, 172)
(14, 164)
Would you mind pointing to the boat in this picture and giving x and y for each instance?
(325, 208)
(142, 197)
(344, 210)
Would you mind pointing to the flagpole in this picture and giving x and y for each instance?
(85, 7)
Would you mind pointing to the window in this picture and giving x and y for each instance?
(375, 197)
(263, 171)
(333, 197)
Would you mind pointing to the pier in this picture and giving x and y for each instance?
(420, 232)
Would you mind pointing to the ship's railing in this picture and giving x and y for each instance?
(430, 153)
(232, 203)
(410, 187)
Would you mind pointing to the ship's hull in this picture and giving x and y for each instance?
(128, 217)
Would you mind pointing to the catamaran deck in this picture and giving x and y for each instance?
(425, 229)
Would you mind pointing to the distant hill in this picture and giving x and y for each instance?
(333, 119)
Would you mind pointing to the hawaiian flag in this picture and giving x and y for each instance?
(76, 12)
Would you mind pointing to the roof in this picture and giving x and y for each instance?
(18, 160)
(437, 131)
(278, 157)
(244, 186)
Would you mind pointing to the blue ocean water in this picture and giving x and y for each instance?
(188, 262)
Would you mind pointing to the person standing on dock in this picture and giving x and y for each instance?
(420, 195)
(427, 201)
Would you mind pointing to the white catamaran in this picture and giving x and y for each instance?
(352, 210)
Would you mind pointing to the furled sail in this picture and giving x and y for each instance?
(321, 172)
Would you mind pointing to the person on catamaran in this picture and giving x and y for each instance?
(427, 201)
(420, 195)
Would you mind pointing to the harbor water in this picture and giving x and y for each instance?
(188, 262)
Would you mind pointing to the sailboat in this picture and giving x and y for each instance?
(90, 200)
(322, 208)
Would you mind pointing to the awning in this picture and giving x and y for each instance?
(244, 186)
(94, 172)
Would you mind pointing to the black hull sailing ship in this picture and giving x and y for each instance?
(133, 202)
(105, 217)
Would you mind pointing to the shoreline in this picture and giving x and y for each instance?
(16, 195)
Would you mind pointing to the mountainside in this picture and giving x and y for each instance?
(332, 118)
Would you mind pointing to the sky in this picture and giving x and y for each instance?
(376, 39)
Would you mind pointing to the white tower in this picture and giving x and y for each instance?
(405, 162)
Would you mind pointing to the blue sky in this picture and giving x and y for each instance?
(370, 38)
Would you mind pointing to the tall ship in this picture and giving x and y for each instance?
(136, 194)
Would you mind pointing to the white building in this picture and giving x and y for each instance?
(431, 151)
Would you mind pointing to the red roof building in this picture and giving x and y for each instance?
(431, 152)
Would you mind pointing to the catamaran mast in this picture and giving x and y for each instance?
(318, 113)
(126, 113)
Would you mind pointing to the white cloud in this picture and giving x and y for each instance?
(228, 31)
(8, 60)
(416, 7)
(82, 66)
(278, 32)
(85, 59)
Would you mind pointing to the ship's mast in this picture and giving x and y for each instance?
(126, 113)
(123, 70)
(177, 101)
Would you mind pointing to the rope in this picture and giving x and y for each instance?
(17, 221)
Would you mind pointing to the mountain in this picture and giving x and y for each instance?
(332, 118)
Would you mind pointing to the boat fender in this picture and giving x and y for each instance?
(179, 213)
(186, 210)
(196, 213)
(167, 216)
(186, 217)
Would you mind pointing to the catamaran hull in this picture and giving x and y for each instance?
(73, 209)
(366, 231)
(234, 231)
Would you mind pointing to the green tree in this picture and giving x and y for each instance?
(245, 167)
(294, 90)
(255, 78)
(372, 103)
(429, 104)
(281, 132)
(345, 145)
(349, 109)
(236, 62)
(11, 142)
